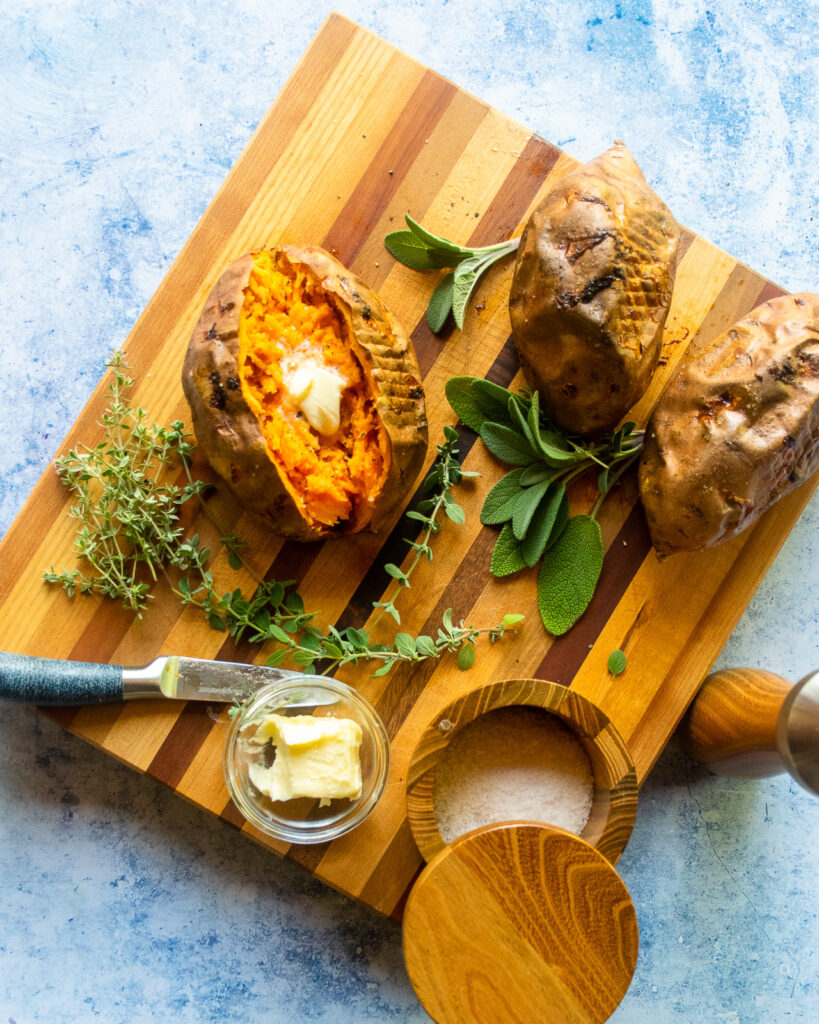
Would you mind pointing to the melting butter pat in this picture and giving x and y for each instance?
(317, 392)
(315, 757)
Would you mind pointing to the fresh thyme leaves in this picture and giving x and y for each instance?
(530, 502)
(128, 507)
(126, 504)
(420, 250)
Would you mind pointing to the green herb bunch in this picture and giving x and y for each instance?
(531, 503)
(127, 506)
(420, 250)
(129, 534)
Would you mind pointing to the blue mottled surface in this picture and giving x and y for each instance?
(118, 122)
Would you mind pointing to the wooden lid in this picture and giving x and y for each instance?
(520, 922)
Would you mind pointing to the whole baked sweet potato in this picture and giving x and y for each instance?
(736, 428)
(305, 394)
(591, 292)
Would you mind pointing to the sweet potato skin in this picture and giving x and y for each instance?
(736, 428)
(227, 429)
(591, 292)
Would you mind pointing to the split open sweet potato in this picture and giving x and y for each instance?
(305, 394)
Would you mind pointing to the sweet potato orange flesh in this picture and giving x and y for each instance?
(285, 317)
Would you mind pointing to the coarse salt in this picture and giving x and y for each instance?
(513, 764)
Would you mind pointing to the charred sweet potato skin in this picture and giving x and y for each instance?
(228, 430)
(591, 292)
(736, 428)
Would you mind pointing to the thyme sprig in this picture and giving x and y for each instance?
(420, 250)
(128, 506)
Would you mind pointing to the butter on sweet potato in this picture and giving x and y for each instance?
(736, 428)
(271, 313)
(591, 292)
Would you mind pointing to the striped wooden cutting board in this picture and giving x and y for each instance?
(359, 135)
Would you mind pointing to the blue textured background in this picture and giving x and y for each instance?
(118, 122)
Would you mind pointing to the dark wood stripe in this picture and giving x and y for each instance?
(62, 716)
(626, 554)
(402, 852)
(288, 112)
(397, 912)
(517, 192)
(232, 815)
(686, 241)
(389, 167)
(182, 744)
(504, 370)
(307, 856)
(768, 291)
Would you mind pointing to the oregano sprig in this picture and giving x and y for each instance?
(420, 250)
(530, 503)
(128, 505)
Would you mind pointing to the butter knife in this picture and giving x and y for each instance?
(29, 680)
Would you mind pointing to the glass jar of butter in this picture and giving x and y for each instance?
(306, 759)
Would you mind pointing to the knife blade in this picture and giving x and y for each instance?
(30, 680)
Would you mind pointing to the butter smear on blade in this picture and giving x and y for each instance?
(315, 757)
(317, 393)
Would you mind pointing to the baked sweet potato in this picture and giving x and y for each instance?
(736, 428)
(305, 394)
(591, 292)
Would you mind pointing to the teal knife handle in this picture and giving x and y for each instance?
(46, 681)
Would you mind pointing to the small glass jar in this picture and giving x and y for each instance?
(304, 820)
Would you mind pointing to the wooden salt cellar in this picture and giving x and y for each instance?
(522, 921)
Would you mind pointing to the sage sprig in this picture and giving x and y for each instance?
(420, 250)
(530, 503)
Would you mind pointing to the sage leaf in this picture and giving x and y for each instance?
(492, 399)
(507, 557)
(617, 663)
(465, 278)
(543, 521)
(535, 474)
(466, 657)
(412, 252)
(499, 504)
(435, 242)
(561, 519)
(569, 573)
(440, 303)
(525, 507)
(520, 423)
(507, 444)
(464, 402)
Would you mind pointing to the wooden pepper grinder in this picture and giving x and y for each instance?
(749, 724)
